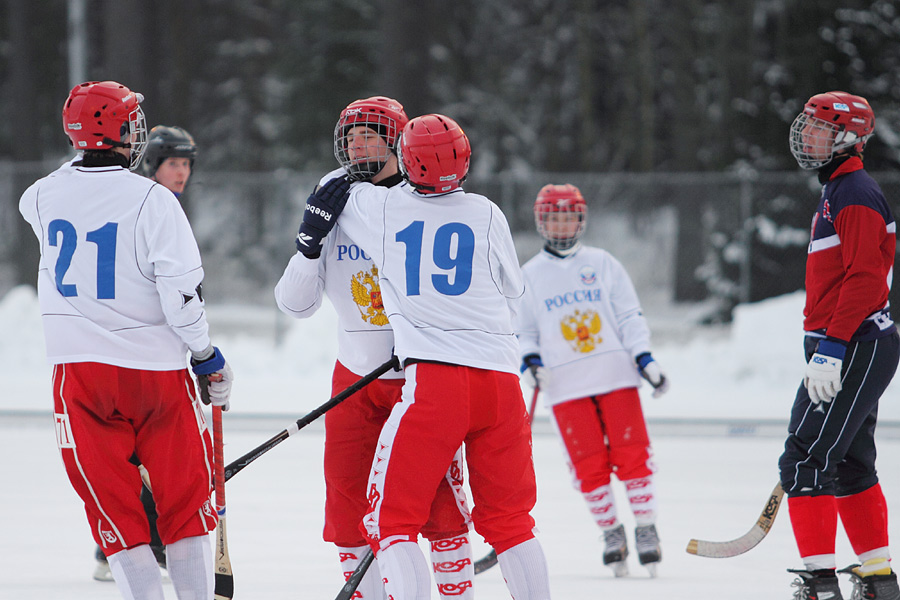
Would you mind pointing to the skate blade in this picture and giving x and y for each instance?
(651, 568)
(620, 569)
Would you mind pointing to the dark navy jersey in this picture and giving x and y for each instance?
(851, 257)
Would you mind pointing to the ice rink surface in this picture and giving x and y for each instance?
(717, 436)
(709, 487)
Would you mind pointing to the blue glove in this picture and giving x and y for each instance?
(529, 361)
(823, 373)
(649, 370)
(320, 216)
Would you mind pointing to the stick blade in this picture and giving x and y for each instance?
(746, 542)
(224, 587)
(728, 549)
(224, 579)
(485, 563)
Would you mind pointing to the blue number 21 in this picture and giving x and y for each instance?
(105, 238)
(443, 241)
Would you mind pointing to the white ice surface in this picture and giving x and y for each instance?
(709, 488)
(712, 485)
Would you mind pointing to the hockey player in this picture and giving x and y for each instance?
(448, 274)
(851, 343)
(168, 159)
(364, 139)
(586, 345)
(119, 287)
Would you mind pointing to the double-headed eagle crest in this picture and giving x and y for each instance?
(367, 295)
(582, 330)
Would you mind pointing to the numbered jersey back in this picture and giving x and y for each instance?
(106, 236)
(449, 271)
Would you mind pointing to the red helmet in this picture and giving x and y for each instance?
(99, 115)
(380, 116)
(829, 123)
(434, 154)
(554, 202)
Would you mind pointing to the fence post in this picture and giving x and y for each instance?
(747, 176)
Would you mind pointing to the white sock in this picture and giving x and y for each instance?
(642, 497)
(405, 572)
(524, 569)
(819, 561)
(602, 506)
(371, 586)
(454, 572)
(190, 565)
(137, 574)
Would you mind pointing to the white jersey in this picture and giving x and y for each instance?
(119, 271)
(582, 315)
(449, 272)
(348, 276)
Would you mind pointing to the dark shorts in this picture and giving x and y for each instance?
(830, 447)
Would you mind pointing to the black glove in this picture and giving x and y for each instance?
(323, 207)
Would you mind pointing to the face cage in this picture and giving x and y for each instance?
(399, 150)
(137, 125)
(362, 171)
(806, 127)
(559, 243)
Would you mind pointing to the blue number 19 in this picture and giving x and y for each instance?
(461, 263)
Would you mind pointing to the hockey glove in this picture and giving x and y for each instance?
(649, 370)
(536, 374)
(214, 377)
(322, 210)
(823, 373)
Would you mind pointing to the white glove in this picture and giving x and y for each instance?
(538, 377)
(214, 377)
(823, 377)
(649, 370)
(535, 374)
(220, 387)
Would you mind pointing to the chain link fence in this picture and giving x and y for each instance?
(727, 238)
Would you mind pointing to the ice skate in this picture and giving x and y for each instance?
(101, 571)
(646, 541)
(616, 550)
(874, 586)
(816, 585)
(159, 552)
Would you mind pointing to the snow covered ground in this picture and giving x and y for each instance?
(747, 372)
(717, 436)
